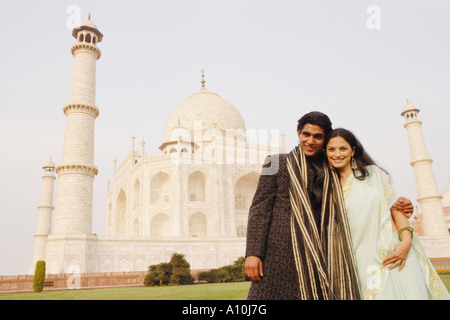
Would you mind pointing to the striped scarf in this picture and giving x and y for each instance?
(323, 254)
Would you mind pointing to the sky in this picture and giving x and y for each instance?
(357, 61)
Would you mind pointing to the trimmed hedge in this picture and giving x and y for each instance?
(39, 276)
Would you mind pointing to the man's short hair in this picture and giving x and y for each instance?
(316, 118)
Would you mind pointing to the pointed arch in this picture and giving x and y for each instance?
(121, 208)
(137, 194)
(160, 188)
(196, 186)
(136, 227)
(244, 190)
(109, 218)
(161, 226)
(198, 225)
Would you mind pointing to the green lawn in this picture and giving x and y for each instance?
(212, 291)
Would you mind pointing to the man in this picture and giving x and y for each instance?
(298, 242)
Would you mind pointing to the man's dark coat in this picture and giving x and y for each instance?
(269, 233)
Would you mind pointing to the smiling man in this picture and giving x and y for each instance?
(312, 139)
(298, 243)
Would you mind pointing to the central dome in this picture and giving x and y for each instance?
(203, 110)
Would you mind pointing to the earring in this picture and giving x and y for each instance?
(353, 164)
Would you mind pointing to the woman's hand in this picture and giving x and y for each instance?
(253, 268)
(398, 258)
(405, 206)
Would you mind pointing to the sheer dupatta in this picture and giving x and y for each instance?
(323, 254)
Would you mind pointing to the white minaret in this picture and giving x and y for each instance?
(76, 172)
(45, 210)
(433, 218)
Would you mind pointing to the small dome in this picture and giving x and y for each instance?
(409, 107)
(446, 197)
(88, 23)
(49, 164)
(203, 110)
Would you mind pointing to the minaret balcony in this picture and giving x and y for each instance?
(86, 46)
(91, 110)
(421, 161)
(412, 122)
(77, 169)
(429, 198)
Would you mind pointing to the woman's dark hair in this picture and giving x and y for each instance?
(361, 157)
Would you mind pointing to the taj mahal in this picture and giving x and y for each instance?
(193, 198)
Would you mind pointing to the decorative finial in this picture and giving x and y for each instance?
(203, 79)
(89, 16)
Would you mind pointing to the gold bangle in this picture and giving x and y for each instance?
(411, 230)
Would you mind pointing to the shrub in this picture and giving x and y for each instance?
(39, 276)
(229, 273)
(214, 275)
(236, 272)
(181, 272)
(221, 275)
(175, 272)
(158, 274)
(151, 279)
(207, 276)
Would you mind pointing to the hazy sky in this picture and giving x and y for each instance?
(273, 60)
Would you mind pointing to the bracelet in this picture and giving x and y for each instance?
(411, 230)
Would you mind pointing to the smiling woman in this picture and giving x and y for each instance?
(340, 154)
(359, 157)
(372, 219)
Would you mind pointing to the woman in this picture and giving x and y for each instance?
(381, 237)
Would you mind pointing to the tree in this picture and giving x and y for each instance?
(158, 274)
(176, 271)
(181, 272)
(39, 276)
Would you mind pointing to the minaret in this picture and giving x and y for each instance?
(433, 218)
(76, 172)
(143, 148)
(45, 209)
